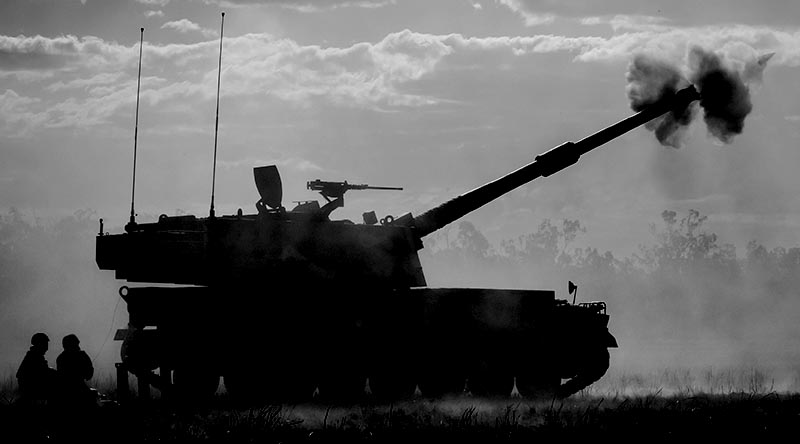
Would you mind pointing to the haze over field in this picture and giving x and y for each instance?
(436, 97)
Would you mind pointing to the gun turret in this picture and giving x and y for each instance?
(333, 192)
(545, 164)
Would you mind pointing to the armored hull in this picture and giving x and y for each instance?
(348, 342)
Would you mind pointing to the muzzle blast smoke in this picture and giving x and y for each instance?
(724, 91)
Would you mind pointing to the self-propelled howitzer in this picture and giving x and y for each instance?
(283, 302)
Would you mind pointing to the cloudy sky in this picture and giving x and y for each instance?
(434, 96)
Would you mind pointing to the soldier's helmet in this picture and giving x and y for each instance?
(70, 342)
(40, 339)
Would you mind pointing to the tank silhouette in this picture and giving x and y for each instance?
(282, 302)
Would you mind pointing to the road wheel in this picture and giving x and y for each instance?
(191, 384)
(342, 387)
(491, 385)
(439, 384)
(254, 386)
(538, 387)
(594, 364)
(390, 386)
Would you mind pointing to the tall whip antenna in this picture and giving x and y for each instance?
(216, 124)
(132, 222)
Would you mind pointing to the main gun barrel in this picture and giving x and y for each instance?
(546, 164)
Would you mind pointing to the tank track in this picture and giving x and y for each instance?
(345, 384)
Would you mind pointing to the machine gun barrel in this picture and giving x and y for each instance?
(545, 164)
(337, 189)
(370, 187)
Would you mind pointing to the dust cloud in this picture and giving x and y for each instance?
(50, 283)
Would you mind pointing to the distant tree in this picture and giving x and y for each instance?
(682, 246)
(778, 269)
(78, 224)
(471, 241)
(548, 244)
(590, 259)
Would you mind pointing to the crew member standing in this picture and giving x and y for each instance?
(36, 379)
(74, 369)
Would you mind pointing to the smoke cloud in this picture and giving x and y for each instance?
(723, 85)
(650, 81)
(724, 96)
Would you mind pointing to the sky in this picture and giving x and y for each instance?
(437, 97)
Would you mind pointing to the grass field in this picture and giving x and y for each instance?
(663, 406)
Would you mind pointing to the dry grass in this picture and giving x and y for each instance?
(664, 406)
(710, 380)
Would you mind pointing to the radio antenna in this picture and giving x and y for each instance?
(132, 222)
(216, 124)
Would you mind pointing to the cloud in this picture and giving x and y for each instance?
(103, 103)
(16, 116)
(623, 22)
(531, 18)
(683, 12)
(159, 3)
(364, 74)
(104, 98)
(21, 52)
(184, 26)
(739, 42)
(50, 53)
(12, 100)
(576, 8)
(99, 79)
(35, 53)
(293, 163)
(591, 21)
(328, 6)
(27, 76)
(380, 76)
(151, 13)
(307, 6)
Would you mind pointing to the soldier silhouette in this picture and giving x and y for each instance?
(74, 369)
(36, 379)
